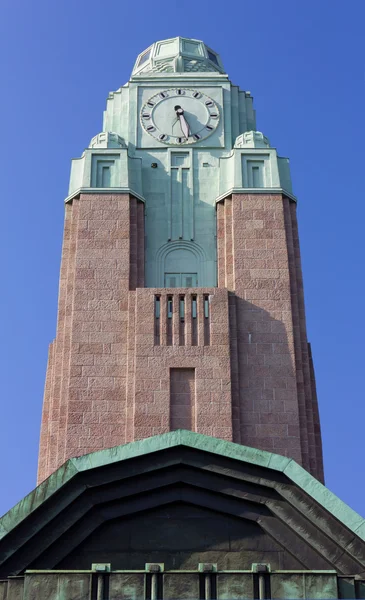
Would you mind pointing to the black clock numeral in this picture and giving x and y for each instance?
(149, 103)
(180, 140)
(210, 128)
(196, 136)
(180, 92)
(163, 95)
(196, 95)
(146, 115)
(209, 103)
(150, 128)
(163, 136)
(213, 115)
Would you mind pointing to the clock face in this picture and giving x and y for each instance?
(180, 116)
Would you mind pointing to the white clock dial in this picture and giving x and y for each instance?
(180, 116)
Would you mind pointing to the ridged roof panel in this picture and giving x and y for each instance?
(178, 55)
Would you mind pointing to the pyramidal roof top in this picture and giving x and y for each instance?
(178, 55)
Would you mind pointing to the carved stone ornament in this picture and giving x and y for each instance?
(107, 139)
(252, 139)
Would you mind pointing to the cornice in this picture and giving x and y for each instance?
(262, 191)
(229, 192)
(109, 190)
(210, 76)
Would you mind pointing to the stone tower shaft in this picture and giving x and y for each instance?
(181, 295)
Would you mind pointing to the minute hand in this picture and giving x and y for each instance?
(183, 122)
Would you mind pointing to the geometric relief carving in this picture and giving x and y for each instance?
(252, 139)
(164, 66)
(185, 260)
(181, 198)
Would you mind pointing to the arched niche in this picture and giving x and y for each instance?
(183, 261)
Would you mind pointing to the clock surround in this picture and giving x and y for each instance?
(169, 113)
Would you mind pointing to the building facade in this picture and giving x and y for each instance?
(181, 294)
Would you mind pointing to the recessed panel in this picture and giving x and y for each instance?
(234, 586)
(167, 48)
(190, 47)
(183, 586)
(126, 586)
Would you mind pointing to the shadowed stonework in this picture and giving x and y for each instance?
(259, 260)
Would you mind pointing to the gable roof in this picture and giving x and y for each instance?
(297, 500)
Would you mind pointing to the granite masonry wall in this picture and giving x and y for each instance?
(85, 393)
(130, 362)
(203, 347)
(275, 407)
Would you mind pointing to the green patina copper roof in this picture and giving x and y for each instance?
(294, 472)
(178, 55)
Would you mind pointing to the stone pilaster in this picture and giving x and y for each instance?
(272, 393)
(85, 395)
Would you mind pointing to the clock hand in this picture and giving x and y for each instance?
(183, 122)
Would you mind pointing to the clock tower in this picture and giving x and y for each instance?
(181, 295)
(180, 453)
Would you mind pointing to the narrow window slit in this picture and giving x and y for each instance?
(206, 321)
(105, 177)
(182, 321)
(256, 177)
(157, 321)
(206, 307)
(194, 321)
(169, 320)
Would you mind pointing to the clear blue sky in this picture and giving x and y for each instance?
(303, 63)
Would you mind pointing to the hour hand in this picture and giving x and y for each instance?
(184, 126)
(185, 129)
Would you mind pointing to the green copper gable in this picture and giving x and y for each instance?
(245, 454)
(280, 497)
